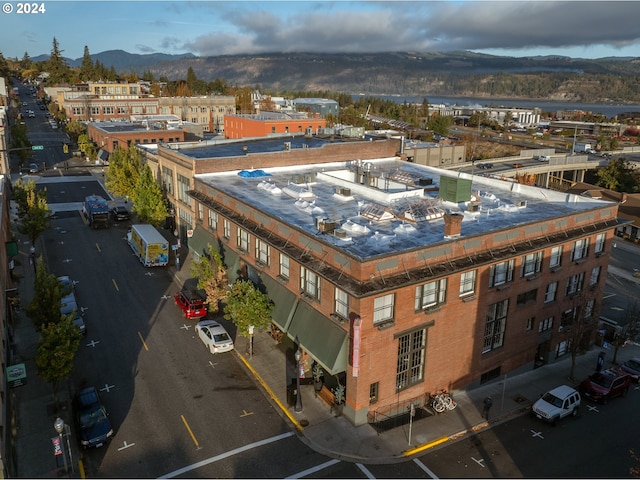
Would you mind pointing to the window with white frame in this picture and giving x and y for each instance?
(309, 283)
(213, 220)
(556, 257)
(588, 308)
(263, 252)
(341, 303)
(200, 212)
(599, 246)
(383, 309)
(468, 283)
(243, 240)
(574, 283)
(550, 294)
(545, 324)
(431, 294)
(531, 264)
(411, 355)
(595, 276)
(501, 273)
(184, 185)
(495, 326)
(227, 228)
(284, 266)
(580, 249)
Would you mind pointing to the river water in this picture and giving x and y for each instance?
(609, 110)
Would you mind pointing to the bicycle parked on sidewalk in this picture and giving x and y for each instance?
(442, 401)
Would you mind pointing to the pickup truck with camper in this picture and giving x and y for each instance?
(96, 211)
(149, 245)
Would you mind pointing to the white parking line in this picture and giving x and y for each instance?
(425, 468)
(365, 470)
(230, 453)
(315, 469)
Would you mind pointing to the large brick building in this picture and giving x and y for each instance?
(398, 279)
(271, 123)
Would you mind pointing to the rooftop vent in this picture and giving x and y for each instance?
(473, 207)
(522, 203)
(344, 191)
(340, 233)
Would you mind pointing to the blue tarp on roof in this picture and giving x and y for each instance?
(253, 173)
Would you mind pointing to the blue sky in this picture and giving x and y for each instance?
(590, 29)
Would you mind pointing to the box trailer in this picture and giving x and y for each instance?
(149, 245)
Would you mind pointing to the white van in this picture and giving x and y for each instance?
(544, 158)
(556, 404)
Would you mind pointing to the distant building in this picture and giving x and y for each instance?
(109, 135)
(271, 123)
(321, 106)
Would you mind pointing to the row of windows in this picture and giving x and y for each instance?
(112, 110)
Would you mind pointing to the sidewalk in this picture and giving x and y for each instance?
(336, 437)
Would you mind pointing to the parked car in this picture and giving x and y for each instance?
(485, 166)
(92, 420)
(69, 304)
(556, 404)
(34, 168)
(120, 213)
(632, 367)
(32, 114)
(544, 158)
(605, 385)
(214, 336)
(192, 303)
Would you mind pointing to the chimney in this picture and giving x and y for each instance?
(452, 224)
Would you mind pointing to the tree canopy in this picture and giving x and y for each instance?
(212, 277)
(618, 175)
(247, 306)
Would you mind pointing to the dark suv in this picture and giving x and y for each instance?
(92, 419)
(192, 303)
(605, 385)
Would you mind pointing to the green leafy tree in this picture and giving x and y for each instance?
(212, 277)
(57, 348)
(618, 175)
(20, 139)
(75, 129)
(247, 306)
(440, 124)
(148, 201)
(33, 209)
(123, 173)
(44, 307)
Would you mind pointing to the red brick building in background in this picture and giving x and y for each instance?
(271, 123)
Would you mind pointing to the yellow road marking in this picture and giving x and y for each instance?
(115, 284)
(144, 344)
(193, 437)
(420, 448)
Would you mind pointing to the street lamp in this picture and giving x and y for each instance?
(298, 407)
(63, 430)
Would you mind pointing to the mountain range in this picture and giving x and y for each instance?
(460, 73)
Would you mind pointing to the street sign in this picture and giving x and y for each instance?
(37, 147)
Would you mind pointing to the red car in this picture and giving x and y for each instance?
(192, 303)
(605, 385)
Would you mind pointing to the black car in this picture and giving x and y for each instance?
(92, 419)
(120, 213)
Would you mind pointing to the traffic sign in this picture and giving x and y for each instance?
(37, 147)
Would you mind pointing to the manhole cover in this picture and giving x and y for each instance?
(304, 423)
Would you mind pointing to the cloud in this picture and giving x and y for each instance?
(414, 26)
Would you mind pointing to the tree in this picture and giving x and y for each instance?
(212, 277)
(44, 307)
(440, 124)
(123, 172)
(618, 175)
(75, 129)
(247, 306)
(87, 71)
(19, 139)
(581, 323)
(148, 201)
(57, 347)
(57, 65)
(33, 209)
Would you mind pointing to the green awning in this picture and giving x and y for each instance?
(198, 245)
(284, 302)
(325, 341)
(198, 242)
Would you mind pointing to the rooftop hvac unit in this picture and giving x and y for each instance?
(287, 146)
(344, 191)
(298, 179)
(522, 203)
(340, 233)
(319, 222)
(327, 226)
(423, 182)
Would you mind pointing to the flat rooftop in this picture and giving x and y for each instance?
(334, 203)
